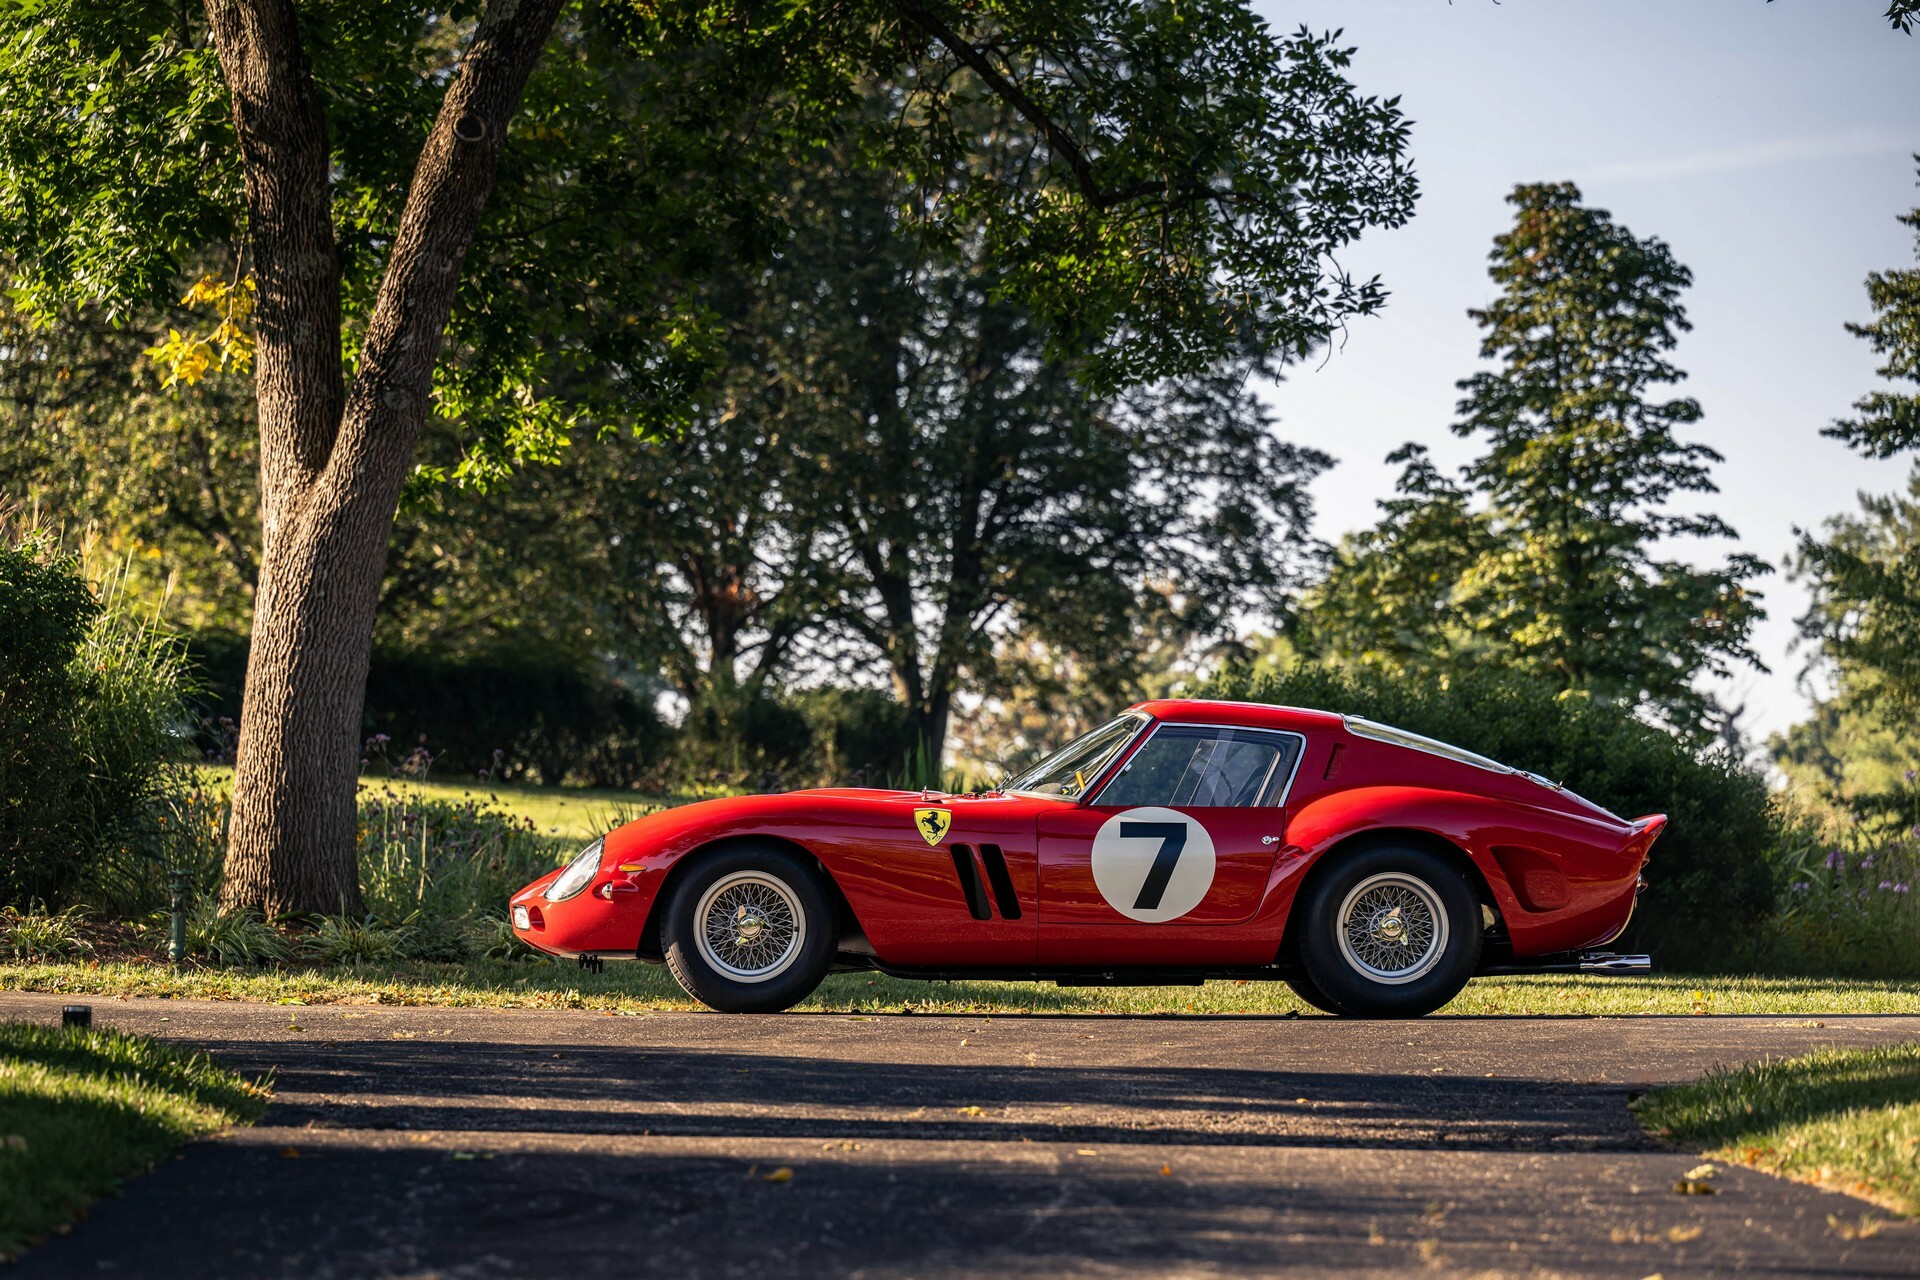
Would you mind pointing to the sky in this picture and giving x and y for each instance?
(1769, 144)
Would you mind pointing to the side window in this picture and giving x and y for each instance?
(1197, 766)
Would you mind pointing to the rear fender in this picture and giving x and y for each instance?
(1584, 867)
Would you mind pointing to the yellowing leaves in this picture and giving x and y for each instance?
(189, 357)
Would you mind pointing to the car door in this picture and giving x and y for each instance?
(1180, 840)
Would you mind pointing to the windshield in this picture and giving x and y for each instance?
(1073, 768)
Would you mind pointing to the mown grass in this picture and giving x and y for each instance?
(568, 813)
(1848, 1119)
(637, 987)
(80, 1110)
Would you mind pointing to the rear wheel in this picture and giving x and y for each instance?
(749, 930)
(1389, 932)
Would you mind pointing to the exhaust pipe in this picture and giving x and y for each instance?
(1602, 964)
(1609, 963)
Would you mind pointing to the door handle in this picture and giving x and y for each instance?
(1269, 839)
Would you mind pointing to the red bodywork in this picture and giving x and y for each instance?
(1559, 873)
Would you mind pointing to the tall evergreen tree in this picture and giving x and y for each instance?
(1545, 560)
(1865, 570)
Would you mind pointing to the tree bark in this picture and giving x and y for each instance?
(333, 458)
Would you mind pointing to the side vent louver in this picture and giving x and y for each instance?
(970, 885)
(1002, 883)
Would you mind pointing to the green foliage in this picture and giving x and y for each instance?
(43, 935)
(91, 713)
(436, 875)
(45, 612)
(1847, 884)
(1888, 422)
(1864, 571)
(83, 1109)
(1185, 207)
(239, 937)
(509, 715)
(1711, 888)
(1543, 560)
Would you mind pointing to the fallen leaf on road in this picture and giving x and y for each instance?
(1166, 1170)
(473, 1155)
(970, 1111)
(1694, 1187)
(1700, 1173)
(1086, 1151)
(289, 1153)
(1680, 1235)
(782, 1174)
(1865, 1229)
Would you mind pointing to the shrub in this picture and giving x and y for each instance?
(42, 935)
(369, 940)
(1848, 885)
(1710, 894)
(45, 610)
(509, 716)
(133, 736)
(234, 937)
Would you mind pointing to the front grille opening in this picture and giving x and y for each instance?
(1003, 894)
(976, 893)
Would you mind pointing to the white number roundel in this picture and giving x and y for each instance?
(1152, 864)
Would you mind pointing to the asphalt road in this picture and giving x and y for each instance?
(470, 1143)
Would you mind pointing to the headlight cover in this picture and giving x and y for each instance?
(578, 875)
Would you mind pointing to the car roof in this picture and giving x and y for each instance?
(1250, 715)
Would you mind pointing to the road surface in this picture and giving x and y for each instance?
(514, 1143)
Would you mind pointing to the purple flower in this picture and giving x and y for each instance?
(1866, 863)
(1835, 862)
(1886, 886)
(1802, 886)
(1910, 775)
(1901, 886)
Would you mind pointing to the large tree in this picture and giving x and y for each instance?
(1545, 559)
(1198, 175)
(1865, 570)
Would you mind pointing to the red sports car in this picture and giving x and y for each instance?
(1372, 869)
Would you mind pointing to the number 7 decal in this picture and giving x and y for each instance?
(1173, 838)
(1152, 865)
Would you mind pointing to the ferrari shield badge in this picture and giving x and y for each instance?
(933, 823)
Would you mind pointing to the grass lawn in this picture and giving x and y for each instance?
(572, 813)
(1848, 1119)
(81, 1110)
(636, 987)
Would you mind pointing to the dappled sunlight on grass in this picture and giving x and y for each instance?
(644, 986)
(1844, 1118)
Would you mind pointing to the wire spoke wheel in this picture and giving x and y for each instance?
(750, 926)
(1392, 927)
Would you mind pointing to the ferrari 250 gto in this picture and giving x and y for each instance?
(1373, 870)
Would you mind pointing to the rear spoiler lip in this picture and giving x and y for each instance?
(1645, 831)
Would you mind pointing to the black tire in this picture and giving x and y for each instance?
(782, 894)
(1304, 987)
(1423, 950)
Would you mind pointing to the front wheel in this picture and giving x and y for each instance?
(1389, 932)
(749, 930)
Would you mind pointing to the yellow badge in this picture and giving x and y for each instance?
(933, 823)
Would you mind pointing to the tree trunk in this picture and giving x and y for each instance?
(332, 458)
